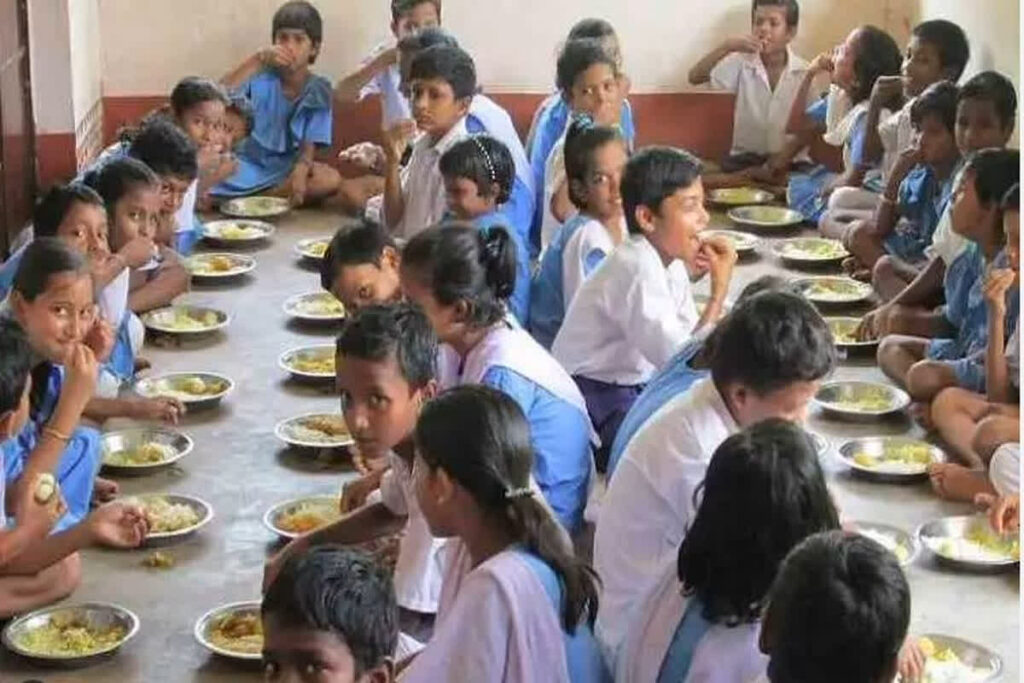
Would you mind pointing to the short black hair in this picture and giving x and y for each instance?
(15, 364)
(356, 243)
(996, 88)
(838, 611)
(938, 100)
(995, 172)
(114, 178)
(767, 283)
(298, 15)
(193, 90)
(791, 7)
(763, 493)
(652, 175)
(877, 55)
(400, 7)
(1011, 200)
(165, 148)
(949, 41)
(43, 258)
(448, 63)
(484, 160)
(770, 341)
(400, 331)
(576, 57)
(582, 139)
(591, 27)
(340, 591)
(55, 203)
(428, 37)
(241, 106)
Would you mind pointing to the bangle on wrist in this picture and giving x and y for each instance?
(54, 433)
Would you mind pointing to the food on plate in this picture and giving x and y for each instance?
(307, 516)
(257, 206)
(979, 544)
(737, 240)
(159, 560)
(765, 214)
(891, 544)
(834, 289)
(325, 429)
(315, 249)
(240, 632)
(313, 363)
(844, 331)
(320, 304)
(942, 665)
(238, 231)
(165, 516)
(907, 456)
(46, 488)
(69, 634)
(813, 248)
(212, 265)
(190, 388)
(738, 195)
(192, 321)
(144, 454)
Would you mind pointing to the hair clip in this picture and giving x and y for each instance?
(513, 494)
(487, 158)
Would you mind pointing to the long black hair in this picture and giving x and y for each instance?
(877, 55)
(462, 263)
(764, 492)
(484, 160)
(480, 438)
(115, 178)
(581, 141)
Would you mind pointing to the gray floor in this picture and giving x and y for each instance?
(241, 469)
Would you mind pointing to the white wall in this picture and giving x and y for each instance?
(50, 61)
(993, 27)
(149, 44)
(86, 58)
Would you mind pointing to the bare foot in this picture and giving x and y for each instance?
(956, 482)
(142, 364)
(922, 414)
(850, 265)
(104, 491)
(862, 274)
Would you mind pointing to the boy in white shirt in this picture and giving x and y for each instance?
(764, 74)
(635, 311)
(767, 359)
(386, 368)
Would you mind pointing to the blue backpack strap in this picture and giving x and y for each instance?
(582, 653)
(692, 627)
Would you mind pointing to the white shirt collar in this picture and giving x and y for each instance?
(454, 134)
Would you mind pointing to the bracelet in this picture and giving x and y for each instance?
(54, 433)
(887, 200)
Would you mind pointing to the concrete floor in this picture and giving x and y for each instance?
(241, 469)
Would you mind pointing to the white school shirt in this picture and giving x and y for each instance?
(946, 244)
(387, 84)
(1004, 469)
(629, 317)
(897, 134)
(419, 570)
(759, 121)
(423, 184)
(185, 218)
(649, 503)
(589, 238)
(554, 177)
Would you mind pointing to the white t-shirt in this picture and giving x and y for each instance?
(897, 134)
(185, 218)
(649, 503)
(388, 85)
(1004, 469)
(946, 244)
(629, 317)
(418, 571)
(554, 177)
(587, 245)
(759, 121)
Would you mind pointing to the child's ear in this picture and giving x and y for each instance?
(463, 310)
(644, 218)
(6, 424)
(463, 105)
(18, 304)
(429, 390)
(390, 257)
(382, 673)
(577, 189)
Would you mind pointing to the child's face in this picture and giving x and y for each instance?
(435, 107)
(770, 28)
(1011, 226)
(922, 66)
(136, 214)
(364, 284)
(379, 404)
(465, 200)
(968, 215)
(294, 653)
(434, 491)
(423, 15)
(597, 92)
(299, 45)
(937, 143)
(202, 122)
(13, 422)
(788, 403)
(59, 317)
(978, 126)
(84, 229)
(446, 320)
(601, 189)
(233, 129)
(675, 228)
(172, 193)
(843, 74)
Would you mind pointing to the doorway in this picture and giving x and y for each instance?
(17, 131)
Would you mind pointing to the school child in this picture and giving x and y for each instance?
(238, 122)
(592, 85)
(977, 425)
(360, 266)
(594, 160)
(632, 314)
(954, 353)
(386, 356)
(442, 82)
(690, 364)
(330, 611)
(37, 569)
(478, 177)
(765, 75)
(291, 114)
(379, 74)
(769, 357)
(763, 494)
(867, 53)
(986, 114)
(516, 604)
(461, 278)
(917, 190)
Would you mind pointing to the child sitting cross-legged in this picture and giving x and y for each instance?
(329, 616)
(386, 358)
(360, 266)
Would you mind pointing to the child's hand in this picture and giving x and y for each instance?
(886, 89)
(997, 282)
(161, 409)
(118, 525)
(355, 492)
(297, 183)
(38, 518)
(748, 44)
(910, 661)
(80, 372)
(276, 57)
(365, 155)
(909, 158)
(872, 325)
(1003, 512)
(387, 58)
(100, 338)
(396, 139)
(823, 63)
(138, 252)
(720, 257)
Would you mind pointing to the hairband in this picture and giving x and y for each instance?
(487, 158)
(513, 494)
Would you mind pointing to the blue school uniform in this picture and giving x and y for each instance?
(76, 470)
(547, 298)
(551, 123)
(8, 270)
(582, 652)
(672, 380)
(692, 627)
(965, 309)
(922, 199)
(280, 127)
(519, 302)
